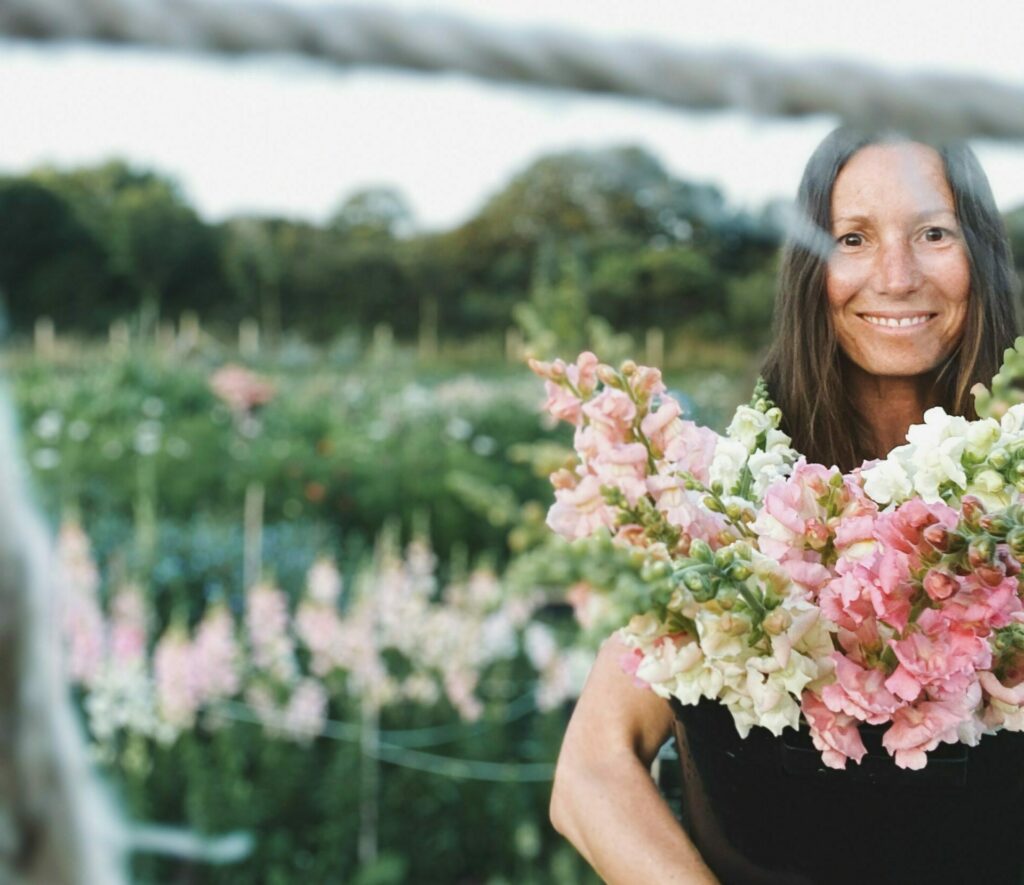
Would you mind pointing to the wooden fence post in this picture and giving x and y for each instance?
(654, 347)
(513, 345)
(188, 332)
(249, 338)
(428, 333)
(45, 338)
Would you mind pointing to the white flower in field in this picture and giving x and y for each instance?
(498, 636)
(726, 466)
(147, 437)
(48, 425)
(747, 425)
(981, 437)
(888, 481)
(152, 407)
(541, 646)
(79, 430)
(46, 459)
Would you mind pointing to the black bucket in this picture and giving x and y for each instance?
(766, 809)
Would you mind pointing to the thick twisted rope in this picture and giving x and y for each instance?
(350, 36)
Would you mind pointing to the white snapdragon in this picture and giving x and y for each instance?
(981, 437)
(766, 467)
(1012, 422)
(937, 465)
(728, 463)
(747, 425)
(990, 488)
(888, 481)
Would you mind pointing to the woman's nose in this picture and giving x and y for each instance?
(897, 271)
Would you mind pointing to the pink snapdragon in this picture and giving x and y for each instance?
(859, 692)
(919, 728)
(835, 734)
(579, 511)
(611, 414)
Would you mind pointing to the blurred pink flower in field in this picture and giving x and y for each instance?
(175, 673)
(216, 656)
(323, 581)
(306, 713)
(319, 628)
(241, 389)
(267, 622)
(128, 627)
(82, 621)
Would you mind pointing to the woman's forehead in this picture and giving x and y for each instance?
(906, 178)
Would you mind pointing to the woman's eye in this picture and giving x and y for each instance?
(934, 234)
(851, 240)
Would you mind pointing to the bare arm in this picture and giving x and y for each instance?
(604, 800)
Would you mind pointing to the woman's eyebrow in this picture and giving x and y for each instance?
(925, 214)
(851, 219)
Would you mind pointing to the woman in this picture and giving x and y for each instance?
(909, 303)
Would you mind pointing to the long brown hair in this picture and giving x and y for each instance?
(805, 368)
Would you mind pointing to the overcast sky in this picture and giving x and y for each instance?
(292, 138)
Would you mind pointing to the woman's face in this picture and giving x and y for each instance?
(898, 279)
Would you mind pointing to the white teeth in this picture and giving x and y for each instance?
(892, 321)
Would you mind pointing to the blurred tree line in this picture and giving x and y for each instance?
(607, 235)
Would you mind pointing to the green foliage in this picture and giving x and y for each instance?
(89, 245)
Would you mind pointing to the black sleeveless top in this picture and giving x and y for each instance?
(766, 811)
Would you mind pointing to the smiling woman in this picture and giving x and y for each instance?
(912, 304)
(903, 300)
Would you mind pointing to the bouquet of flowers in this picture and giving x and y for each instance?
(783, 589)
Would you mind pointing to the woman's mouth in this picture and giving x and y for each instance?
(903, 321)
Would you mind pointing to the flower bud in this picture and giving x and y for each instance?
(972, 509)
(937, 537)
(981, 551)
(740, 571)
(699, 549)
(607, 375)
(999, 458)
(1015, 541)
(1010, 564)
(712, 503)
(996, 524)
(990, 574)
(777, 621)
(940, 584)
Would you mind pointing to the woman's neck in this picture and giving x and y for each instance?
(889, 405)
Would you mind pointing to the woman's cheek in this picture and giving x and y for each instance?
(846, 277)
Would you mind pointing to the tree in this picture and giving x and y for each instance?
(51, 264)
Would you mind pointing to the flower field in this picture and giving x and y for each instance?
(292, 610)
